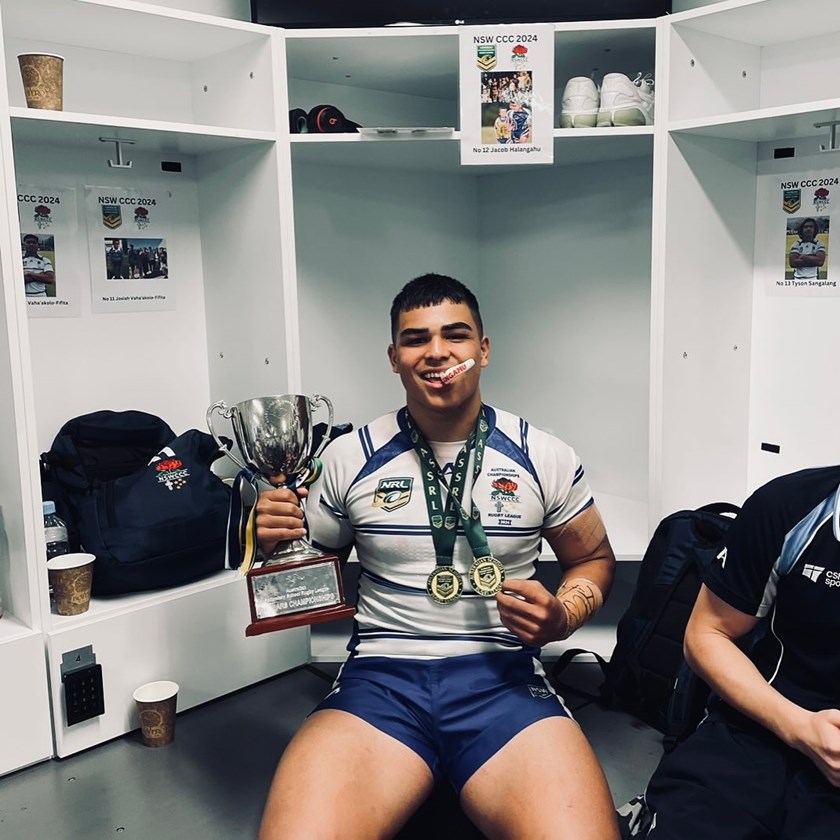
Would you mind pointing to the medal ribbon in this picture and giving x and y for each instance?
(241, 526)
(442, 517)
(241, 531)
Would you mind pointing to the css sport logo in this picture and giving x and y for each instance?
(814, 573)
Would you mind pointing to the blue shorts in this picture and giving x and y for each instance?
(455, 713)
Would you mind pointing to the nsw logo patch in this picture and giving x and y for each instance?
(172, 473)
(539, 691)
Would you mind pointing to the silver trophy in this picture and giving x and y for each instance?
(297, 584)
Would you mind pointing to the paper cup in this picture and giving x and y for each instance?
(156, 706)
(43, 80)
(70, 577)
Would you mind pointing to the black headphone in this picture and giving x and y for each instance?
(322, 119)
(297, 121)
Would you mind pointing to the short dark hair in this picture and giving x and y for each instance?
(431, 290)
(804, 222)
(29, 236)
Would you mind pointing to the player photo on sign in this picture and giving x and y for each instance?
(506, 108)
(38, 265)
(806, 239)
(135, 259)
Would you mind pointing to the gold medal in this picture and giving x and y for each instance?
(444, 585)
(487, 575)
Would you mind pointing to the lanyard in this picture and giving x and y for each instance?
(442, 516)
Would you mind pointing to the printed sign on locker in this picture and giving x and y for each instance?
(507, 94)
(129, 249)
(804, 212)
(48, 244)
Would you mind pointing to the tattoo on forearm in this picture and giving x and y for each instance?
(581, 598)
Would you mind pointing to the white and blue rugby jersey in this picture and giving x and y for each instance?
(35, 288)
(807, 249)
(371, 493)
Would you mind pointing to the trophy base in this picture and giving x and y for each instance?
(293, 593)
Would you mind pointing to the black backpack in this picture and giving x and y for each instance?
(141, 500)
(647, 674)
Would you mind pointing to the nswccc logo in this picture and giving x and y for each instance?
(392, 493)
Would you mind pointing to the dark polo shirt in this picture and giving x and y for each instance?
(781, 563)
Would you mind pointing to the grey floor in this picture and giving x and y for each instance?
(212, 781)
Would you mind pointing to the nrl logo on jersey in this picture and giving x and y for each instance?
(392, 493)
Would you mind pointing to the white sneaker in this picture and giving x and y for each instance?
(579, 108)
(625, 102)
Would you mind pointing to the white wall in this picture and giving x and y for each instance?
(707, 272)
(794, 401)
(361, 235)
(565, 268)
(151, 361)
(560, 259)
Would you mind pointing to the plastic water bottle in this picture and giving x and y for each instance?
(55, 532)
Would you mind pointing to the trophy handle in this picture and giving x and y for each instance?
(314, 401)
(227, 413)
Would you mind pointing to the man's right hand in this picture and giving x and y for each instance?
(820, 741)
(279, 517)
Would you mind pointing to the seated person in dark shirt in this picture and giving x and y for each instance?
(765, 635)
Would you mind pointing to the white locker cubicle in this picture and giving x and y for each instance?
(742, 366)
(550, 250)
(203, 92)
